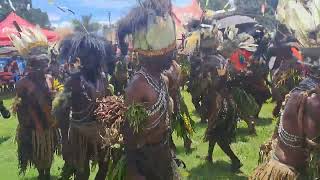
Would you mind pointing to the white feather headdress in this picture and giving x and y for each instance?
(29, 39)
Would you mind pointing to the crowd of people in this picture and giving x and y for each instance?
(120, 114)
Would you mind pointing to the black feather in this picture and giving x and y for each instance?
(71, 11)
(16, 25)
(61, 9)
(87, 47)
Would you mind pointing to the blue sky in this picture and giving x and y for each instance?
(98, 8)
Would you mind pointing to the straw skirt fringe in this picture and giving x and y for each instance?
(274, 170)
(36, 148)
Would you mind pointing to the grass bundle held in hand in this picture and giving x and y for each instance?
(136, 115)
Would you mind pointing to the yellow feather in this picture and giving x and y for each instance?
(192, 42)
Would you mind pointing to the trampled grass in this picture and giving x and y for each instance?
(246, 147)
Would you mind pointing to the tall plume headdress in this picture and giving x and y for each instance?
(32, 44)
(152, 28)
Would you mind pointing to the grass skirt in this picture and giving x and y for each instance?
(153, 162)
(82, 145)
(89, 140)
(274, 170)
(224, 127)
(36, 148)
(266, 151)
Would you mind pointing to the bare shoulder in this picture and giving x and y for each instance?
(135, 90)
(295, 97)
(292, 105)
(313, 104)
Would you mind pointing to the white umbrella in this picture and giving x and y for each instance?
(233, 21)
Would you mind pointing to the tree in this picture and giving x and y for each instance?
(24, 9)
(86, 24)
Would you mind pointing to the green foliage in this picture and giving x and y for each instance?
(35, 16)
(118, 169)
(245, 102)
(185, 67)
(183, 124)
(136, 115)
(85, 24)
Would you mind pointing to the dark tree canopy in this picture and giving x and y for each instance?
(25, 10)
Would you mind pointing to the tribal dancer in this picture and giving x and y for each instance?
(294, 149)
(294, 152)
(147, 130)
(220, 107)
(37, 135)
(75, 108)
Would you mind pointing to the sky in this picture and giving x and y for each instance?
(98, 8)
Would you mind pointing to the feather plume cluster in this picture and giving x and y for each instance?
(225, 43)
(211, 37)
(29, 38)
(233, 40)
(192, 43)
(203, 38)
(302, 18)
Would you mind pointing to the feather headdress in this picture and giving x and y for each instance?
(151, 26)
(205, 38)
(211, 37)
(233, 40)
(31, 42)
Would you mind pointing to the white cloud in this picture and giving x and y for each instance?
(54, 17)
(107, 22)
(62, 24)
(103, 22)
(112, 4)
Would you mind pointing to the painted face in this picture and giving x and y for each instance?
(163, 62)
(40, 63)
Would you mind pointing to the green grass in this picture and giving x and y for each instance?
(246, 148)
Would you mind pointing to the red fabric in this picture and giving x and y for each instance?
(6, 76)
(183, 14)
(236, 61)
(296, 53)
(7, 27)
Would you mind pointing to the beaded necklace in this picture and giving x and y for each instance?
(288, 139)
(87, 112)
(161, 105)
